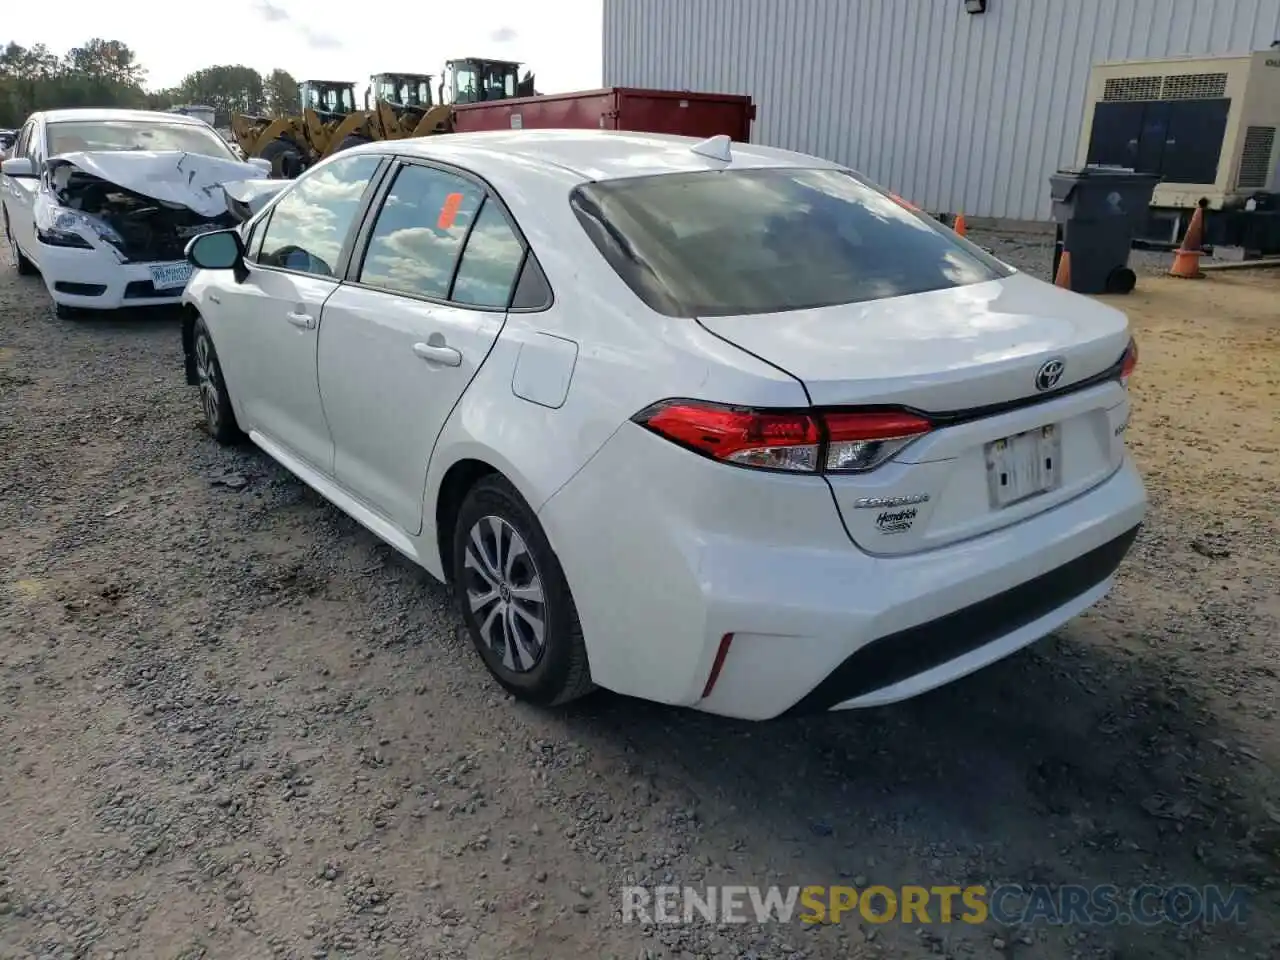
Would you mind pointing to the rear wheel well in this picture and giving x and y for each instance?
(459, 479)
(189, 317)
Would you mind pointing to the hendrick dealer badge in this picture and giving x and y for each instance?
(896, 521)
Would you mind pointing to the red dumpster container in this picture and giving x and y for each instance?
(616, 108)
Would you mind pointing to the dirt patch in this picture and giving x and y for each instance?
(1209, 402)
(233, 725)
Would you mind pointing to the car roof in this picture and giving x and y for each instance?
(91, 114)
(589, 154)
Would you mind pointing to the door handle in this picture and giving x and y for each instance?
(438, 353)
(304, 320)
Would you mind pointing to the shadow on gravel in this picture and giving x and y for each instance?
(146, 321)
(1076, 758)
(1075, 761)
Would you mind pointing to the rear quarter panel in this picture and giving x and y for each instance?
(627, 358)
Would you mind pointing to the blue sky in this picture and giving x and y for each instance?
(328, 39)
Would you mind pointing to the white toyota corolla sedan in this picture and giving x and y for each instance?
(711, 424)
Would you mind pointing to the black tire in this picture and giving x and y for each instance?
(25, 267)
(64, 312)
(559, 672)
(1120, 280)
(219, 417)
(286, 160)
(352, 140)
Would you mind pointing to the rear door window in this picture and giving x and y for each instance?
(769, 241)
(490, 262)
(424, 221)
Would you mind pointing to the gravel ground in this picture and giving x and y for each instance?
(233, 725)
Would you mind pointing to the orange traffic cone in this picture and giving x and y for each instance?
(961, 228)
(1186, 259)
(1063, 279)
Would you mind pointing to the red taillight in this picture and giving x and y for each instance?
(1129, 362)
(805, 442)
(752, 438)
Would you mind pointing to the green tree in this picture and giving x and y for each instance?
(25, 74)
(229, 89)
(108, 60)
(281, 93)
(163, 99)
(35, 63)
(99, 73)
(106, 73)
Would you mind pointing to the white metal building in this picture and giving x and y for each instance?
(956, 111)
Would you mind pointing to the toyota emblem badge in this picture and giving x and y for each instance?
(1050, 373)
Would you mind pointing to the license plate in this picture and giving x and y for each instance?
(1024, 465)
(169, 276)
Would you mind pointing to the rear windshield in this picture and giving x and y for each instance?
(72, 136)
(767, 241)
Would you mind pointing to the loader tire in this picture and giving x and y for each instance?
(285, 158)
(352, 140)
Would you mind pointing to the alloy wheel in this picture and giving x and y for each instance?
(505, 593)
(207, 376)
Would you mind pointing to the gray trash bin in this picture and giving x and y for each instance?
(1099, 211)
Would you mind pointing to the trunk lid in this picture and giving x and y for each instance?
(954, 349)
(974, 358)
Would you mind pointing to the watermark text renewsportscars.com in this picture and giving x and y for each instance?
(1008, 904)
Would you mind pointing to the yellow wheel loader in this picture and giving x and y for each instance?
(329, 122)
(402, 106)
(282, 141)
(476, 79)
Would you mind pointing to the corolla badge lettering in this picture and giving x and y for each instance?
(880, 503)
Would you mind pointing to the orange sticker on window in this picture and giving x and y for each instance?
(904, 203)
(449, 212)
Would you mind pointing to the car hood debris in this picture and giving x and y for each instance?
(247, 197)
(188, 180)
(145, 206)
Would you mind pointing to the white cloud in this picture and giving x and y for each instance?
(269, 11)
(329, 39)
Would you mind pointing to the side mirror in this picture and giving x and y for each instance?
(219, 250)
(261, 164)
(18, 167)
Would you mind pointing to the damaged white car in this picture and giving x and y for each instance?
(102, 203)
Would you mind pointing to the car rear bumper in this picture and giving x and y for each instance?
(925, 656)
(96, 280)
(666, 559)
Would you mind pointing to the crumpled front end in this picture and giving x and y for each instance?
(246, 197)
(133, 226)
(113, 227)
